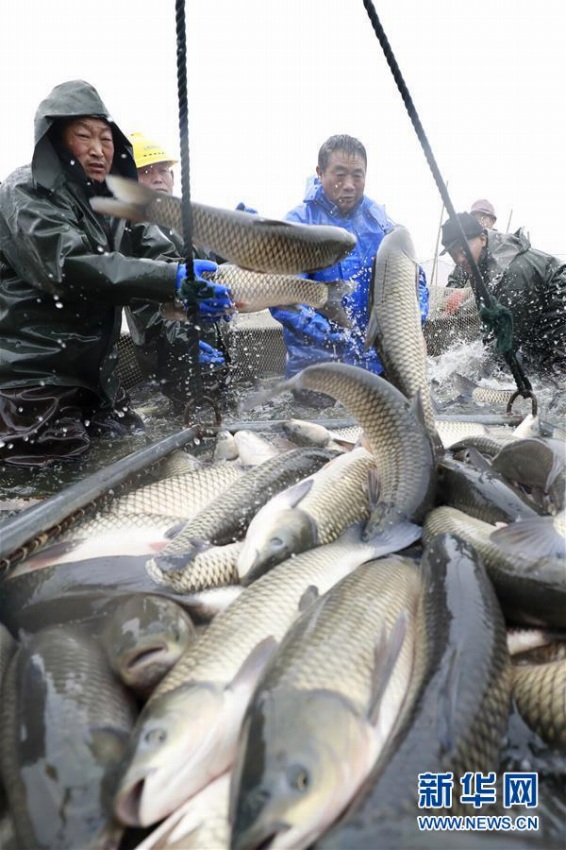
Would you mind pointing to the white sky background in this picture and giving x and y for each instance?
(270, 80)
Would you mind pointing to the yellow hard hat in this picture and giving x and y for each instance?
(147, 152)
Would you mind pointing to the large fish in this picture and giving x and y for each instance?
(144, 637)
(81, 593)
(249, 241)
(481, 493)
(313, 512)
(395, 433)
(65, 727)
(531, 590)
(461, 713)
(326, 706)
(226, 519)
(538, 464)
(187, 732)
(254, 291)
(394, 326)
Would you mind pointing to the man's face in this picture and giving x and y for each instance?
(90, 142)
(476, 245)
(344, 179)
(158, 177)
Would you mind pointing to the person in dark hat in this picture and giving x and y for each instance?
(65, 273)
(530, 283)
(484, 212)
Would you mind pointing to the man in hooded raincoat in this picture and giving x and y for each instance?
(337, 197)
(528, 282)
(65, 273)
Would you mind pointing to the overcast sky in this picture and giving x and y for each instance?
(270, 80)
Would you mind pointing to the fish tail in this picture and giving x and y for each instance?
(263, 396)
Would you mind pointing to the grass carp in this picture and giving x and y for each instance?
(394, 429)
(313, 512)
(325, 707)
(226, 519)
(187, 732)
(214, 567)
(249, 241)
(65, 726)
(531, 591)
(460, 715)
(394, 327)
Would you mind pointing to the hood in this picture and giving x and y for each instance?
(71, 100)
(503, 248)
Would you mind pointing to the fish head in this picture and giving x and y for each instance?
(144, 638)
(288, 532)
(178, 747)
(290, 780)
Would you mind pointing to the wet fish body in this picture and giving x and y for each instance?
(481, 494)
(313, 512)
(395, 434)
(187, 732)
(460, 715)
(249, 241)
(394, 326)
(326, 706)
(539, 691)
(65, 725)
(531, 592)
(538, 464)
(214, 567)
(226, 519)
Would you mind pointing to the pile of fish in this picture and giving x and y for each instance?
(265, 649)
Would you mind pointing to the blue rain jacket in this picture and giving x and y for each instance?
(369, 223)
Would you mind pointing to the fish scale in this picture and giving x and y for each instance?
(265, 608)
(332, 646)
(249, 241)
(395, 434)
(215, 567)
(539, 691)
(225, 520)
(395, 327)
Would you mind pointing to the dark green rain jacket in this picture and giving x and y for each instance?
(532, 285)
(66, 271)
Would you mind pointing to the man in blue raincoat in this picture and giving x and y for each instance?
(337, 197)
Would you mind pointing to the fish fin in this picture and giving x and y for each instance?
(385, 655)
(309, 597)
(417, 407)
(131, 191)
(373, 488)
(263, 396)
(334, 309)
(253, 666)
(372, 332)
(529, 427)
(296, 492)
(535, 537)
(447, 700)
(394, 539)
(120, 209)
(174, 530)
(478, 461)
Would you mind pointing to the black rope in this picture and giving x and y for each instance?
(194, 387)
(499, 319)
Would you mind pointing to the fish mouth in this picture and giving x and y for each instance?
(259, 839)
(145, 657)
(128, 803)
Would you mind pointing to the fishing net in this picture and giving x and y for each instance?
(443, 329)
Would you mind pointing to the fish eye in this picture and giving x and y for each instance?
(299, 779)
(277, 542)
(155, 736)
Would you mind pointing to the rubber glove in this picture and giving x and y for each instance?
(313, 325)
(243, 208)
(212, 300)
(208, 355)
